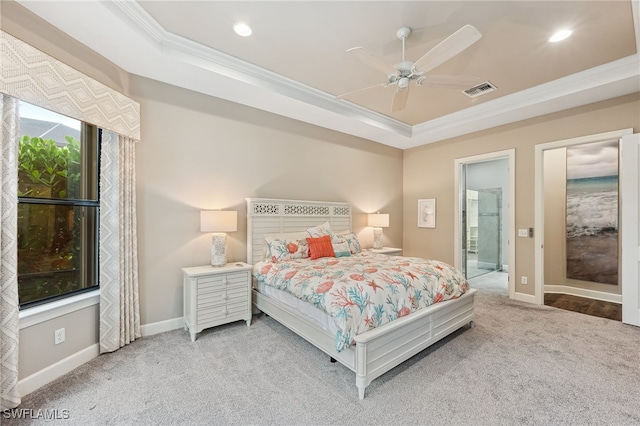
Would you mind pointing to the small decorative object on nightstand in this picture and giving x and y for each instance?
(378, 221)
(216, 295)
(218, 222)
(390, 251)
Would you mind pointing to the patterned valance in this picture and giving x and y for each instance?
(35, 77)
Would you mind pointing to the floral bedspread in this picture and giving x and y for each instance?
(366, 290)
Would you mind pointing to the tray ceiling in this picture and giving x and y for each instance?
(295, 63)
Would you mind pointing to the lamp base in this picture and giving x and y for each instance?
(218, 249)
(377, 238)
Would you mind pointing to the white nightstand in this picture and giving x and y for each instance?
(391, 251)
(216, 295)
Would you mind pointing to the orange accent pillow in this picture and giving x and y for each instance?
(320, 247)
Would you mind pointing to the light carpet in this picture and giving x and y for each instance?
(521, 365)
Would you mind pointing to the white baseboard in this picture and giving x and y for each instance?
(161, 326)
(583, 292)
(60, 368)
(523, 297)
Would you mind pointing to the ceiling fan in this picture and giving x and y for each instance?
(403, 73)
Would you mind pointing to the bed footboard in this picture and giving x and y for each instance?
(379, 350)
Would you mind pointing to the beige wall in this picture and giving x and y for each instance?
(555, 213)
(429, 173)
(37, 350)
(200, 152)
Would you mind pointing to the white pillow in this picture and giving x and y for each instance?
(341, 249)
(352, 241)
(285, 236)
(320, 230)
(283, 250)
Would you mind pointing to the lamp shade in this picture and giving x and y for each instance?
(218, 221)
(378, 220)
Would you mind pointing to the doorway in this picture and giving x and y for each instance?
(628, 289)
(484, 234)
(485, 215)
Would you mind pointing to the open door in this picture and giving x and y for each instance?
(629, 194)
(630, 224)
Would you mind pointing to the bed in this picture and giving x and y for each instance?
(369, 353)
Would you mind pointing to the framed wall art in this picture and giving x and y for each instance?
(427, 213)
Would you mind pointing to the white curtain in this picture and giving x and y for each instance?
(9, 304)
(119, 302)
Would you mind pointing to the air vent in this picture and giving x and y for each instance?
(480, 89)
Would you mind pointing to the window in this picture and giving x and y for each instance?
(58, 206)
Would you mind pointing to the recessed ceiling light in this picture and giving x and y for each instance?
(560, 35)
(242, 29)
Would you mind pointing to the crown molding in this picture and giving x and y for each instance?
(139, 17)
(606, 81)
(156, 53)
(199, 55)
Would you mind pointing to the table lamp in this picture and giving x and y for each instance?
(378, 221)
(219, 222)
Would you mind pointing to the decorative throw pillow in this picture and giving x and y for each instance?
(352, 241)
(320, 247)
(341, 249)
(320, 230)
(282, 250)
(286, 237)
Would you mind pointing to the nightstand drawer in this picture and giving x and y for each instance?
(220, 282)
(235, 310)
(211, 299)
(217, 298)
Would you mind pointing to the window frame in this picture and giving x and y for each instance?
(91, 139)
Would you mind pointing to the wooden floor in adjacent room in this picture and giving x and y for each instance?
(596, 308)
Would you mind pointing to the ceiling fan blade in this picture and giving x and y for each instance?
(448, 48)
(448, 81)
(399, 99)
(370, 59)
(364, 89)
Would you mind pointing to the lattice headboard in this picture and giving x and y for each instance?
(271, 216)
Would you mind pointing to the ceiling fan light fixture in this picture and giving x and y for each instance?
(242, 29)
(559, 36)
(403, 73)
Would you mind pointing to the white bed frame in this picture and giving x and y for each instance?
(376, 351)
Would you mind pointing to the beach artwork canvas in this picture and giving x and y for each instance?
(592, 212)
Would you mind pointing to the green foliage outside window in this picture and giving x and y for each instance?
(49, 234)
(48, 170)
